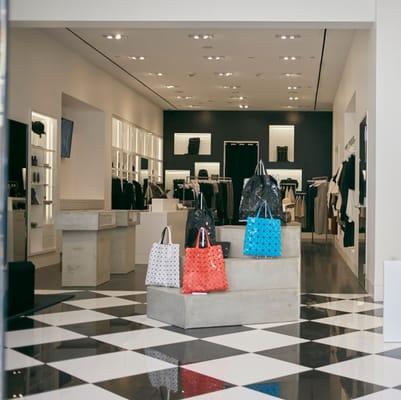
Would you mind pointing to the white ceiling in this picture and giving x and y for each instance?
(252, 55)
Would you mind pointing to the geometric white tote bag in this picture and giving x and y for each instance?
(164, 263)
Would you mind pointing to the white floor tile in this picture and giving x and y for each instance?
(27, 337)
(368, 342)
(344, 296)
(379, 370)
(71, 317)
(110, 366)
(256, 340)
(17, 360)
(101, 302)
(245, 369)
(118, 293)
(349, 306)
(235, 393)
(55, 291)
(143, 319)
(353, 321)
(389, 394)
(81, 392)
(143, 338)
(274, 324)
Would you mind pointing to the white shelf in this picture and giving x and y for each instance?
(36, 147)
(181, 141)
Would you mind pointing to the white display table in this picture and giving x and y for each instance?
(150, 229)
(87, 238)
(123, 242)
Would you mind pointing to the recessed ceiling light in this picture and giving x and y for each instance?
(136, 58)
(293, 87)
(170, 86)
(224, 74)
(117, 36)
(288, 36)
(183, 97)
(155, 74)
(203, 36)
(193, 106)
(289, 58)
(291, 98)
(237, 97)
(290, 107)
(292, 74)
(232, 87)
(243, 106)
(214, 58)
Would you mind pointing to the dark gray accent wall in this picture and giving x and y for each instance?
(313, 137)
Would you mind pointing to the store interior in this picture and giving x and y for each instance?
(113, 133)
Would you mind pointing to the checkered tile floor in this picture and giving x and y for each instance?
(100, 345)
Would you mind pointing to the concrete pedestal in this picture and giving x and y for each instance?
(87, 238)
(150, 229)
(123, 242)
(261, 290)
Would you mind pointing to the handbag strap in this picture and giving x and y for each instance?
(260, 168)
(200, 201)
(267, 209)
(169, 235)
(202, 231)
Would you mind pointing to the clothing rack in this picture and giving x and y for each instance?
(312, 181)
(195, 179)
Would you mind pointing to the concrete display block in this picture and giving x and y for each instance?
(222, 309)
(290, 237)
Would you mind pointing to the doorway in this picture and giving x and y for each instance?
(248, 153)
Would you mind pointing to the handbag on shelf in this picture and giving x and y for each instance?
(260, 187)
(193, 145)
(282, 153)
(199, 217)
(226, 246)
(263, 235)
(164, 263)
(204, 268)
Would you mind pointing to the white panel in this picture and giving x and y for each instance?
(280, 174)
(392, 301)
(281, 135)
(213, 168)
(181, 142)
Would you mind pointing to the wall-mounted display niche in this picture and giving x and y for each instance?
(41, 179)
(137, 154)
(281, 143)
(173, 174)
(192, 143)
(283, 174)
(212, 168)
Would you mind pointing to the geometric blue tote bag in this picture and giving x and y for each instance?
(262, 235)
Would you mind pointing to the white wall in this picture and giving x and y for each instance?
(41, 70)
(351, 105)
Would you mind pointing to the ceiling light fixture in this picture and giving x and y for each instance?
(232, 87)
(237, 97)
(135, 58)
(293, 87)
(243, 106)
(117, 36)
(193, 106)
(214, 58)
(289, 58)
(183, 97)
(203, 36)
(224, 74)
(293, 98)
(170, 86)
(292, 74)
(288, 36)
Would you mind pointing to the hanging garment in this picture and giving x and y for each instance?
(262, 235)
(260, 187)
(116, 194)
(164, 263)
(310, 208)
(230, 201)
(193, 146)
(321, 210)
(139, 199)
(282, 153)
(129, 195)
(204, 268)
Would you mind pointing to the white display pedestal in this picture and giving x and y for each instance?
(261, 290)
(151, 227)
(392, 301)
(123, 242)
(87, 237)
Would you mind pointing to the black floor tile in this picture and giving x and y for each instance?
(190, 352)
(105, 327)
(21, 323)
(26, 381)
(68, 349)
(312, 354)
(142, 298)
(173, 384)
(310, 330)
(309, 299)
(376, 330)
(57, 308)
(86, 295)
(374, 313)
(395, 353)
(315, 385)
(208, 332)
(124, 311)
(311, 313)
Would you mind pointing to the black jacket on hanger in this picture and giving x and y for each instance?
(139, 201)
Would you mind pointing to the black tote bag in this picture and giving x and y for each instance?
(260, 187)
(199, 217)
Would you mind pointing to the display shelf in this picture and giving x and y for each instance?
(213, 168)
(281, 135)
(181, 141)
(42, 237)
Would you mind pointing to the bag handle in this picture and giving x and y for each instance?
(267, 209)
(169, 235)
(202, 231)
(200, 201)
(260, 168)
